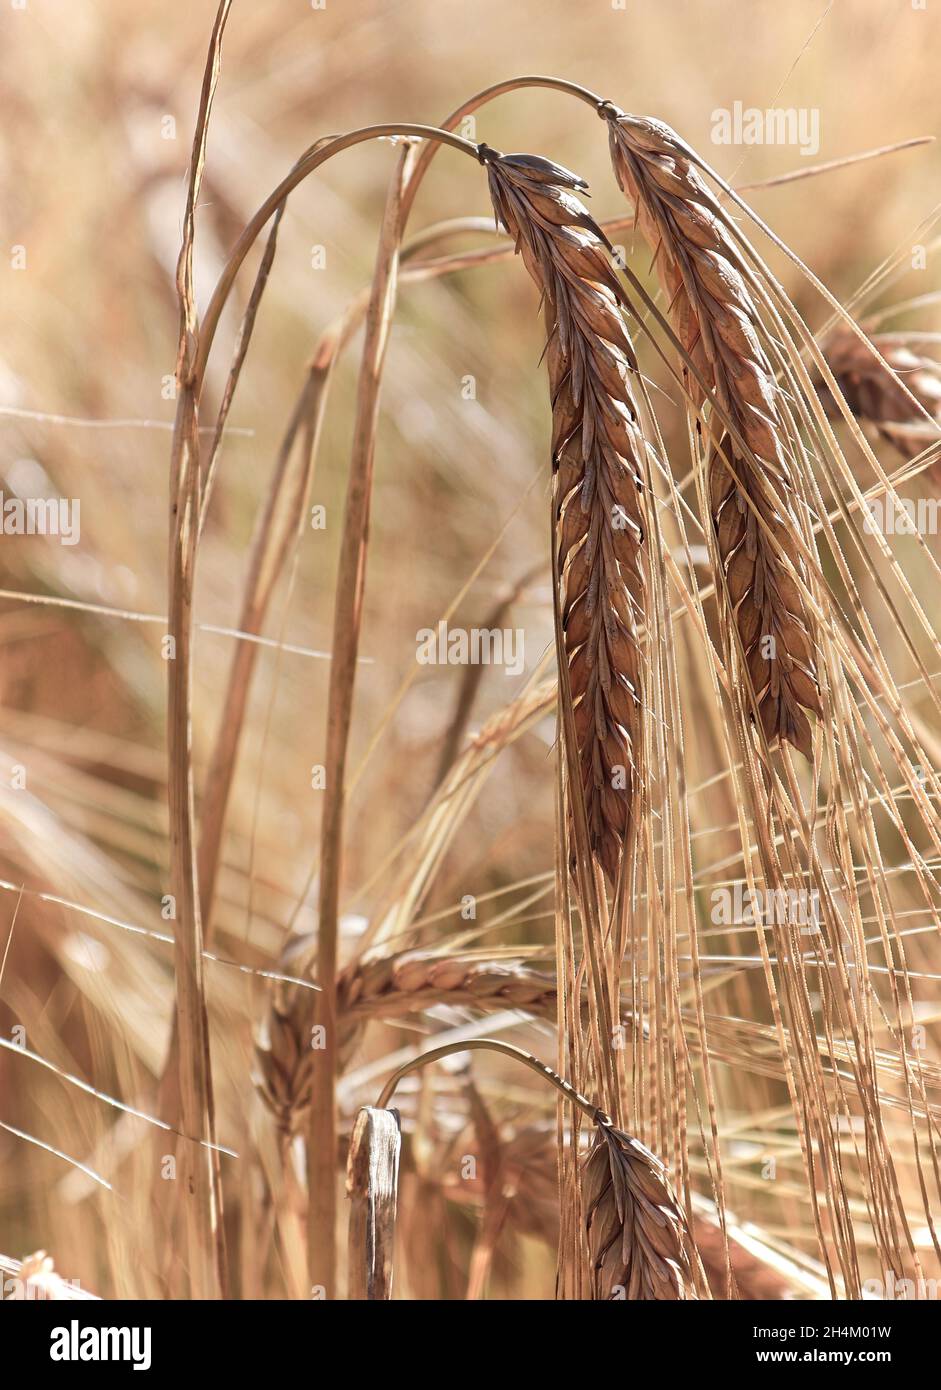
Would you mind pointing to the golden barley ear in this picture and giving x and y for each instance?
(597, 494)
(638, 1240)
(876, 397)
(752, 503)
(384, 988)
(283, 1071)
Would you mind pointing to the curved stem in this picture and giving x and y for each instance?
(481, 98)
(324, 149)
(312, 159)
(347, 624)
(493, 1045)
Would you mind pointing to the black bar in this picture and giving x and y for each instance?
(174, 1339)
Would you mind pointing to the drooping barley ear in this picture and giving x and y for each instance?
(384, 988)
(750, 491)
(876, 398)
(597, 449)
(283, 1062)
(638, 1240)
(411, 980)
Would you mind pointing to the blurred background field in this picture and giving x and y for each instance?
(98, 106)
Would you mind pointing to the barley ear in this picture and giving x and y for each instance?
(283, 1073)
(638, 1240)
(598, 492)
(754, 509)
(888, 400)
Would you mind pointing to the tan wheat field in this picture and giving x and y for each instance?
(337, 961)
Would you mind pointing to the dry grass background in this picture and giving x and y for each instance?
(95, 193)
